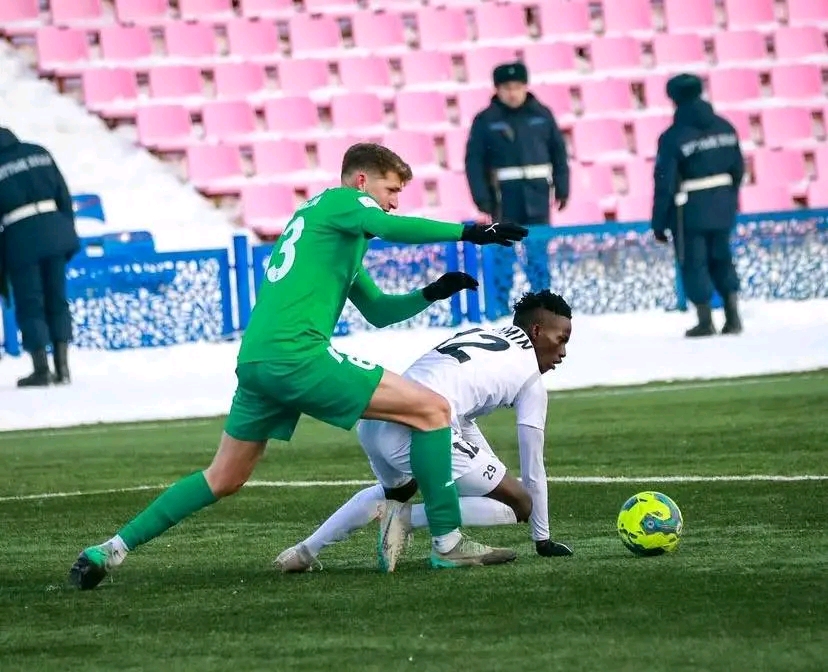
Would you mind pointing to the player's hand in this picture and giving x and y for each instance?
(494, 233)
(660, 236)
(483, 218)
(552, 549)
(448, 284)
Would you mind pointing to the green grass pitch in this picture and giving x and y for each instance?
(746, 590)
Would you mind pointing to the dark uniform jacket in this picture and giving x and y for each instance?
(503, 137)
(698, 144)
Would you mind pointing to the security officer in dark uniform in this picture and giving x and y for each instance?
(514, 153)
(698, 171)
(37, 239)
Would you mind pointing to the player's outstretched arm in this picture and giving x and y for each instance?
(533, 477)
(382, 309)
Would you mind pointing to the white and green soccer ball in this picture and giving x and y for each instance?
(650, 523)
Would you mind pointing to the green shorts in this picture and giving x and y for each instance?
(327, 385)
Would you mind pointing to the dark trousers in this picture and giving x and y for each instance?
(706, 264)
(40, 304)
(535, 266)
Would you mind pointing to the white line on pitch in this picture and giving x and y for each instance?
(587, 480)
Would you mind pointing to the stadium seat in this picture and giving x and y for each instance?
(597, 139)
(821, 161)
(420, 110)
(472, 101)
(210, 11)
(379, 32)
(424, 67)
(142, 12)
(303, 75)
(627, 17)
(453, 193)
(228, 120)
(189, 41)
(455, 146)
(331, 148)
(817, 194)
(681, 49)
(313, 35)
(798, 43)
(807, 12)
(734, 85)
(413, 197)
(562, 19)
(110, 92)
(500, 24)
(176, 82)
(797, 81)
(615, 53)
(266, 208)
(78, 13)
(215, 169)
(366, 73)
(556, 97)
(125, 44)
(351, 111)
(279, 158)
(741, 122)
(267, 9)
(579, 210)
(786, 126)
(634, 208)
(238, 80)
(253, 40)
(782, 166)
(63, 51)
(639, 176)
(291, 115)
(602, 96)
(739, 46)
(415, 147)
(655, 92)
(164, 127)
(438, 28)
(595, 180)
(549, 57)
(647, 131)
(694, 17)
(19, 16)
(751, 14)
(481, 61)
(337, 8)
(764, 198)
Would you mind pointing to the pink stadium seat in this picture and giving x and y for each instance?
(600, 96)
(125, 43)
(313, 34)
(472, 101)
(634, 208)
(556, 97)
(647, 131)
(215, 169)
(351, 111)
(797, 81)
(818, 194)
(164, 127)
(189, 40)
(228, 119)
(253, 40)
(77, 12)
(19, 16)
(799, 42)
(615, 53)
(453, 192)
(61, 50)
(481, 61)
(786, 126)
(455, 147)
(238, 80)
(543, 57)
(109, 91)
(365, 73)
(426, 67)
(594, 139)
(279, 158)
(291, 114)
(682, 49)
(267, 207)
(500, 23)
(741, 122)
(416, 147)
(381, 32)
(655, 92)
(175, 81)
(439, 27)
(807, 12)
(564, 18)
(734, 85)
(739, 46)
(595, 180)
(412, 197)
(625, 17)
(330, 150)
(579, 210)
(142, 12)
(764, 198)
(421, 109)
(206, 10)
(267, 9)
(303, 75)
(682, 16)
(782, 166)
(821, 160)
(331, 7)
(639, 175)
(749, 13)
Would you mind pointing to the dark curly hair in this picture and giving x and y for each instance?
(531, 301)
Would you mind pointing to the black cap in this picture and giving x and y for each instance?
(684, 88)
(510, 72)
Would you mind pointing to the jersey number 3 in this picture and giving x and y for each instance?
(287, 250)
(454, 347)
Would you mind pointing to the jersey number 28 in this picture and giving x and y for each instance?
(454, 347)
(287, 250)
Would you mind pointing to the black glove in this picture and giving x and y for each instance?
(660, 236)
(448, 284)
(500, 234)
(548, 549)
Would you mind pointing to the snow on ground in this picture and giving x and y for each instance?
(198, 380)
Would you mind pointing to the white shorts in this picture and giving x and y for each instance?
(476, 470)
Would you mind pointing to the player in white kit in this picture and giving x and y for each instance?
(477, 371)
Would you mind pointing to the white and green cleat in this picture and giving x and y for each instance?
(468, 553)
(395, 528)
(296, 559)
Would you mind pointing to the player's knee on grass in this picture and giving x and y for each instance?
(402, 493)
(232, 465)
(511, 493)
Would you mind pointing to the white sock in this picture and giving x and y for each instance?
(357, 512)
(445, 542)
(119, 550)
(474, 512)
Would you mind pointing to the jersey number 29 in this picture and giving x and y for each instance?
(454, 347)
(287, 250)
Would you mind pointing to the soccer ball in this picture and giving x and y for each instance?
(650, 523)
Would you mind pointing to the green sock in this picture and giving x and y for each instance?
(431, 466)
(180, 500)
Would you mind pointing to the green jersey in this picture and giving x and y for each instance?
(316, 264)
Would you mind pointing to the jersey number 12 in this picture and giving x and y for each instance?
(454, 347)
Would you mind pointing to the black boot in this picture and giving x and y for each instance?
(705, 326)
(733, 323)
(61, 356)
(42, 376)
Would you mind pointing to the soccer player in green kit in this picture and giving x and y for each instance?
(287, 365)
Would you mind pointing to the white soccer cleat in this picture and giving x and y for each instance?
(395, 528)
(296, 559)
(468, 553)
